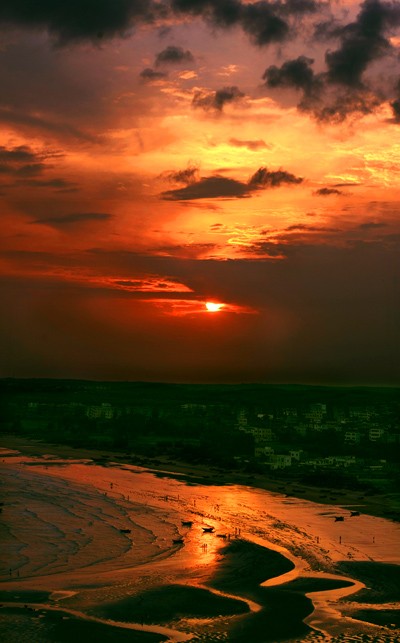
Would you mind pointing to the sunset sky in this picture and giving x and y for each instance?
(156, 156)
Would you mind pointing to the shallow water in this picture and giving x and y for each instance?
(61, 531)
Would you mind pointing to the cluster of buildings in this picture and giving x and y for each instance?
(101, 411)
(353, 426)
(270, 425)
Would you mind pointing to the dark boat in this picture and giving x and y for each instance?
(354, 513)
(187, 523)
(339, 518)
(125, 531)
(177, 541)
(221, 536)
(208, 530)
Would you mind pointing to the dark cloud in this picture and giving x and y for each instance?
(32, 169)
(189, 175)
(327, 191)
(217, 186)
(340, 91)
(24, 165)
(68, 190)
(164, 31)
(72, 218)
(327, 30)
(395, 105)
(26, 120)
(21, 161)
(293, 7)
(346, 185)
(57, 184)
(296, 74)
(350, 104)
(260, 20)
(186, 250)
(20, 154)
(396, 109)
(251, 145)
(216, 100)
(319, 99)
(308, 228)
(372, 226)
(264, 178)
(263, 25)
(78, 20)
(210, 187)
(264, 22)
(174, 56)
(148, 75)
(362, 42)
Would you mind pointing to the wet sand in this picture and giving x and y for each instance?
(45, 626)
(64, 526)
(378, 505)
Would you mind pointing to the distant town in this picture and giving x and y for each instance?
(334, 436)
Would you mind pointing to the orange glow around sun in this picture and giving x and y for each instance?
(213, 308)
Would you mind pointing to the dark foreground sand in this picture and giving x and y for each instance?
(243, 566)
(167, 603)
(382, 581)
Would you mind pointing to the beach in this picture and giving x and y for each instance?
(89, 553)
(377, 505)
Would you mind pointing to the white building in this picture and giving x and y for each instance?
(105, 411)
(375, 433)
(296, 455)
(352, 437)
(280, 461)
(262, 451)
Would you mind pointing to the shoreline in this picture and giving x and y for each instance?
(377, 505)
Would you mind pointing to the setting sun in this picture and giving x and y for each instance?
(213, 307)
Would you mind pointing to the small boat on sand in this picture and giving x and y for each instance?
(221, 536)
(339, 518)
(354, 513)
(177, 541)
(187, 523)
(125, 531)
(208, 530)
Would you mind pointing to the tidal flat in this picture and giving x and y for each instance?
(92, 552)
